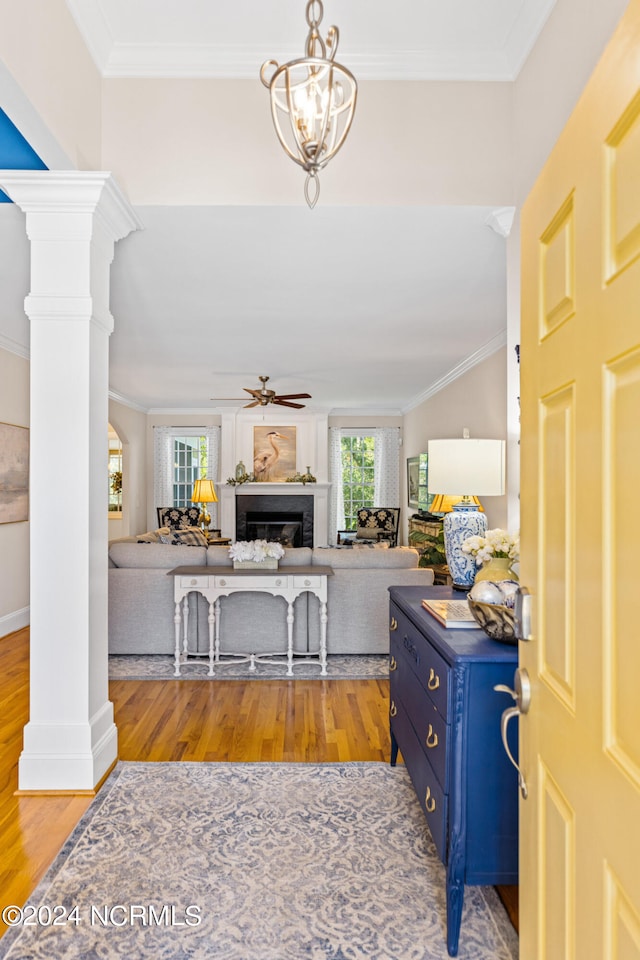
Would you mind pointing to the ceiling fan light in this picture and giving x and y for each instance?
(312, 102)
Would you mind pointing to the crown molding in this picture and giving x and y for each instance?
(126, 402)
(236, 62)
(501, 220)
(490, 347)
(13, 346)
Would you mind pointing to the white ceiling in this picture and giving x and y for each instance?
(363, 308)
(367, 309)
(415, 39)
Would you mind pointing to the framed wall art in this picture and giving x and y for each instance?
(14, 473)
(274, 453)
(413, 480)
(417, 486)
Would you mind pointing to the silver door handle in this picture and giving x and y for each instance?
(522, 697)
(522, 614)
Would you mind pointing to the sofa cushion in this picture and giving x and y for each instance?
(162, 556)
(362, 557)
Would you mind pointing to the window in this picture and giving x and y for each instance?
(115, 475)
(358, 476)
(181, 456)
(189, 463)
(364, 470)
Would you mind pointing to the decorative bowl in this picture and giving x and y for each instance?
(498, 622)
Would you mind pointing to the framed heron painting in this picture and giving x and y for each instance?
(274, 453)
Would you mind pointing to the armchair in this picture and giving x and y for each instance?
(374, 524)
(178, 518)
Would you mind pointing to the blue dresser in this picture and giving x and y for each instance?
(445, 719)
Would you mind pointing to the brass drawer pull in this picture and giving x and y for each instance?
(393, 664)
(393, 709)
(429, 801)
(393, 625)
(434, 680)
(432, 738)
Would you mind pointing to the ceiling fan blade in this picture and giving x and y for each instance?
(254, 403)
(254, 393)
(227, 398)
(294, 396)
(286, 403)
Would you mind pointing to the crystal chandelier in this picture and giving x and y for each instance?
(312, 102)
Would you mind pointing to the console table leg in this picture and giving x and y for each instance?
(177, 621)
(217, 634)
(290, 639)
(323, 639)
(212, 620)
(185, 620)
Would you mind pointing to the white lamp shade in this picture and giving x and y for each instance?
(465, 467)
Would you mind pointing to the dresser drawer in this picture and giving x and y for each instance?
(430, 728)
(252, 582)
(430, 668)
(195, 582)
(433, 800)
(308, 582)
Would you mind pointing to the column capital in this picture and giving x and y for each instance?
(60, 192)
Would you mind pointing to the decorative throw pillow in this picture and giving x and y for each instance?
(193, 537)
(180, 518)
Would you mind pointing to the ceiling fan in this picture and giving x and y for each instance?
(262, 397)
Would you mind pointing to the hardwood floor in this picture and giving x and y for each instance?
(301, 721)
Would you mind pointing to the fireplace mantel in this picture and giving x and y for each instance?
(319, 492)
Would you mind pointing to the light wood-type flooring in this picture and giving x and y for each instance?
(268, 720)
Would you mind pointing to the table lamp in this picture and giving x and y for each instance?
(465, 469)
(204, 493)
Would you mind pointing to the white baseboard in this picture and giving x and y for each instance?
(14, 621)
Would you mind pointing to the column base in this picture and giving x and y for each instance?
(53, 759)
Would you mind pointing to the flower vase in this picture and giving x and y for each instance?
(497, 568)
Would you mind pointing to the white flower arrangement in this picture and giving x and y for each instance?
(495, 543)
(256, 550)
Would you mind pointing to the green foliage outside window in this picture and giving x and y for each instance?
(357, 476)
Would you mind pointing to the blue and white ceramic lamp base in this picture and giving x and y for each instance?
(463, 521)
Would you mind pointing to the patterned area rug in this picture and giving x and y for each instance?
(254, 861)
(360, 667)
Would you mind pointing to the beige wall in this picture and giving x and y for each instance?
(43, 51)
(411, 143)
(476, 400)
(14, 537)
(550, 83)
(131, 427)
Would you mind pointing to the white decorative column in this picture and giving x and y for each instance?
(73, 220)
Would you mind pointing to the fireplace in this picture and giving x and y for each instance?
(286, 519)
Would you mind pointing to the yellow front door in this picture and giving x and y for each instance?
(580, 352)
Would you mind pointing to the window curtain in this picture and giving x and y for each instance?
(336, 498)
(163, 462)
(386, 462)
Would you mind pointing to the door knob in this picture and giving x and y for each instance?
(522, 696)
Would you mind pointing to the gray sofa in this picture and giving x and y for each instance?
(141, 607)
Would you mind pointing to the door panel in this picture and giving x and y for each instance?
(580, 477)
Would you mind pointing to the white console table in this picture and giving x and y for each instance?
(216, 582)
